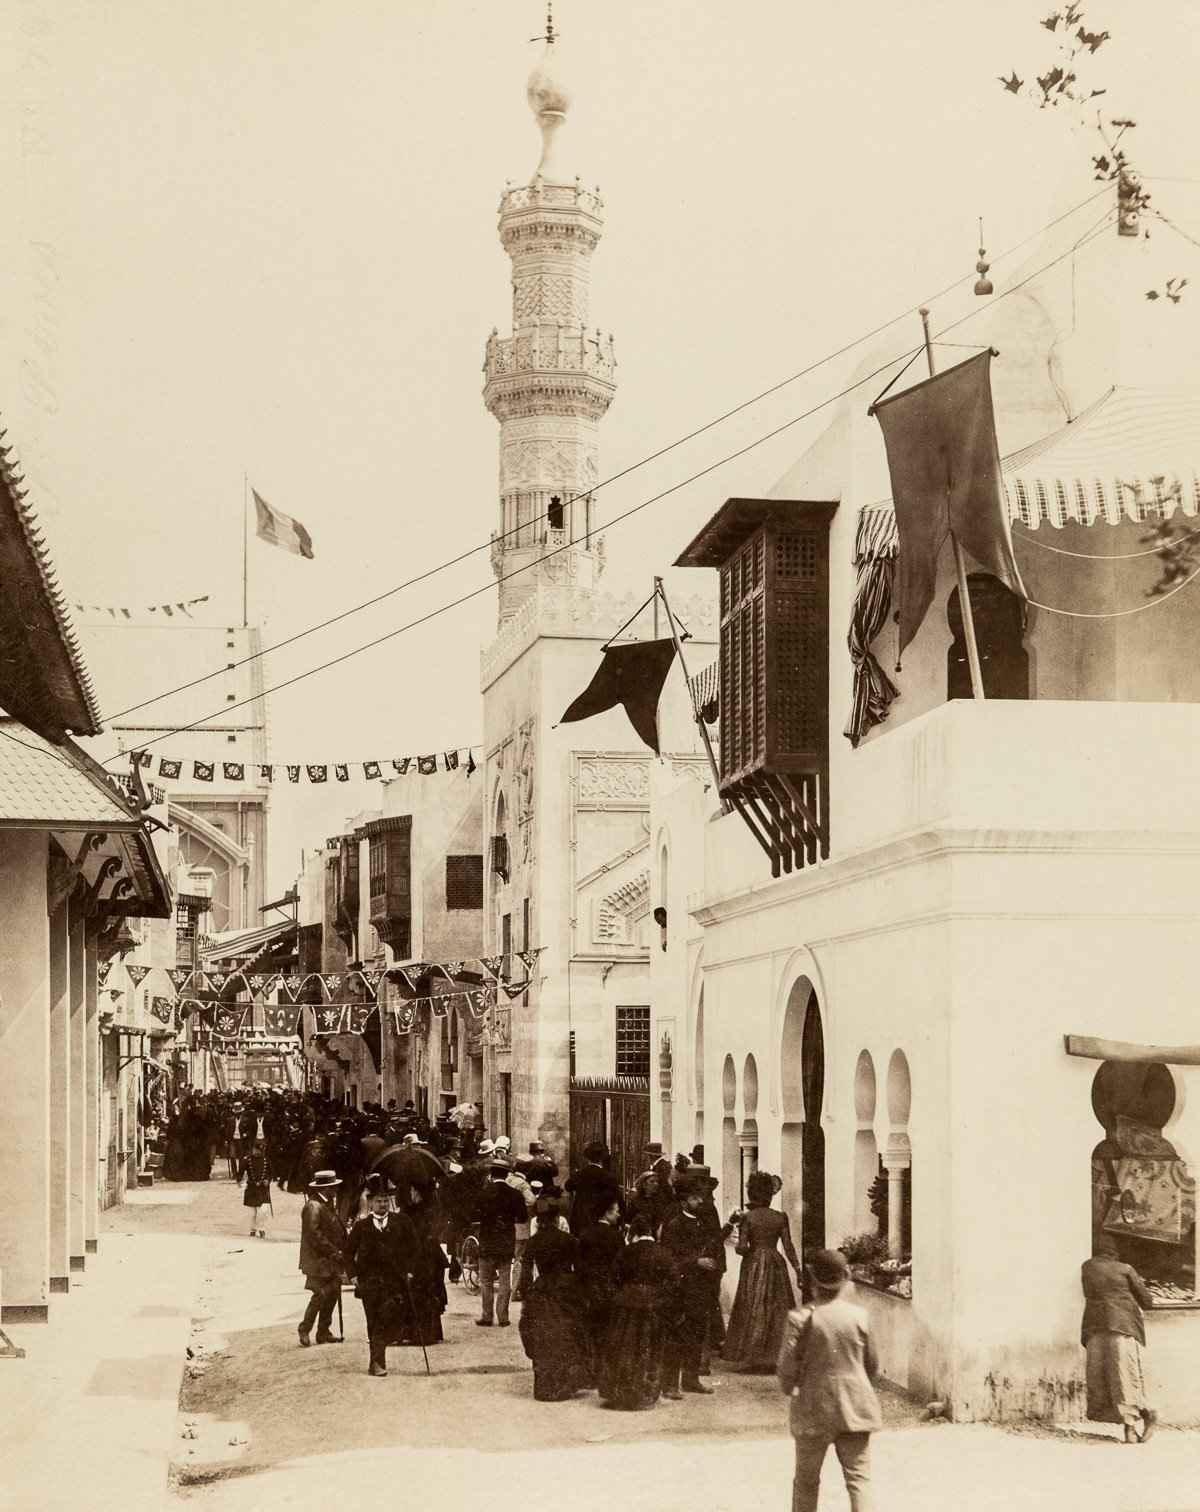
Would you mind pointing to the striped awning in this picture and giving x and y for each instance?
(1133, 455)
(706, 684)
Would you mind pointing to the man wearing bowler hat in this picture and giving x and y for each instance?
(382, 1254)
(827, 1366)
(689, 1244)
(322, 1238)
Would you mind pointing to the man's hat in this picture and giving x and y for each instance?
(499, 1165)
(654, 1148)
(486, 1146)
(536, 1146)
(411, 1139)
(325, 1179)
(376, 1185)
(829, 1267)
(698, 1178)
(504, 1143)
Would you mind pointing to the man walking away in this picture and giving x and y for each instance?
(500, 1210)
(827, 1366)
(519, 1185)
(322, 1240)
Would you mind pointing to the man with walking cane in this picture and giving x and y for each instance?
(322, 1239)
(382, 1253)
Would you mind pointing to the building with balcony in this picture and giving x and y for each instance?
(936, 970)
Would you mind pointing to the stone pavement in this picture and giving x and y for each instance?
(91, 1420)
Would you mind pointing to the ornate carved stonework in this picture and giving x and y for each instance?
(619, 912)
(604, 779)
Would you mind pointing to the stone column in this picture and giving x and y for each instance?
(25, 1053)
(60, 1102)
(91, 1099)
(895, 1164)
(77, 1162)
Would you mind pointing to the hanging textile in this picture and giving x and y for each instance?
(873, 690)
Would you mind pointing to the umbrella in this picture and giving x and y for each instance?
(410, 1166)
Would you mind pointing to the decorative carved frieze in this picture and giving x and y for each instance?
(605, 779)
(618, 912)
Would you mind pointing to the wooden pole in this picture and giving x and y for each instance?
(245, 551)
(660, 593)
(960, 564)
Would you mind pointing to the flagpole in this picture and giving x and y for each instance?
(245, 551)
(960, 562)
(660, 593)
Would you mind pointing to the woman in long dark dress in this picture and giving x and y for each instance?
(553, 1323)
(631, 1362)
(764, 1293)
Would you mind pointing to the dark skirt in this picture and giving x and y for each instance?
(756, 1323)
(554, 1332)
(631, 1361)
(257, 1194)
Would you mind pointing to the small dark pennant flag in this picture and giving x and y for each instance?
(371, 770)
(293, 774)
(233, 771)
(452, 970)
(332, 982)
(138, 974)
(494, 964)
(202, 771)
(631, 675)
(329, 1020)
(451, 760)
(179, 976)
(515, 989)
(341, 771)
(317, 773)
(280, 1019)
(229, 1020)
(267, 773)
(403, 1018)
(372, 979)
(426, 765)
(440, 1004)
(162, 1009)
(169, 768)
(402, 763)
(360, 1014)
(529, 957)
(292, 984)
(142, 758)
(257, 982)
(217, 979)
(470, 762)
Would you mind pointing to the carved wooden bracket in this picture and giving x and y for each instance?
(64, 874)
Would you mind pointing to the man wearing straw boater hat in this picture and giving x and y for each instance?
(322, 1238)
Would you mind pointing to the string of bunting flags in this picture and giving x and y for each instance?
(413, 975)
(189, 769)
(122, 611)
(229, 1020)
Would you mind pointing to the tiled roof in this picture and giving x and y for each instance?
(62, 688)
(43, 786)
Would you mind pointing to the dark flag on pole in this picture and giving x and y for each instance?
(944, 463)
(632, 676)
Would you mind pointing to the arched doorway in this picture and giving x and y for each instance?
(812, 1070)
(999, 617)
(802, 1093)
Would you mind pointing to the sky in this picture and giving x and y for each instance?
(258, 242)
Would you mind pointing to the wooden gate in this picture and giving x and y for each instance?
(616, 1111)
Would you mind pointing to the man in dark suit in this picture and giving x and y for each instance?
(498, 1211)
(382, 1254)
(321, 1240)
(689, 1245)
(592, 1189)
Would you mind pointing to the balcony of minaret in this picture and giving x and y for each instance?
(551, 349)
(540, 195)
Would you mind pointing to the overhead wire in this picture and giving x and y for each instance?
(626, 514)
(604, 483)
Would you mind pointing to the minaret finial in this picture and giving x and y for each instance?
(547, 98)
(549, 36)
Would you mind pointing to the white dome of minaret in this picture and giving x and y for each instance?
(548, 97)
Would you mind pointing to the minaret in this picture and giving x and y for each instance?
(549, 382)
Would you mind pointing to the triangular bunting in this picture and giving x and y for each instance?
(494, 964)
(515, 989)
(329, 1019)
(163, 1009)
(137, 974)
(529, 957)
